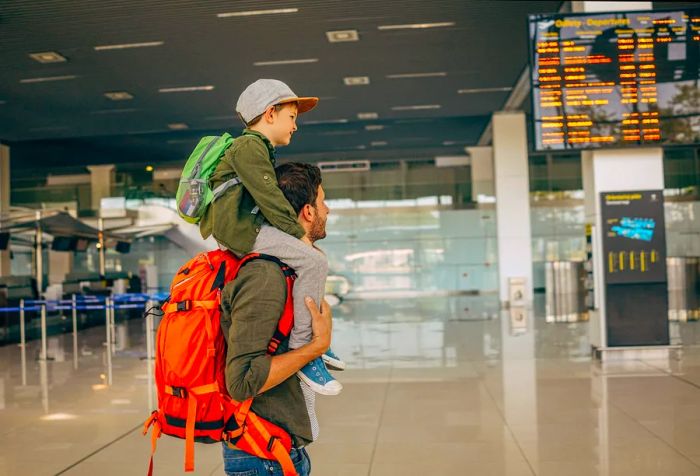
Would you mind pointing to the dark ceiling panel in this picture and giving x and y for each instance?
(486, 47)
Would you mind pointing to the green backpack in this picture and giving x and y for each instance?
(193, 193)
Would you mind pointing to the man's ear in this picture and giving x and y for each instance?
(308, 213)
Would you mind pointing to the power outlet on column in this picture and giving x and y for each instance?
(517, 296)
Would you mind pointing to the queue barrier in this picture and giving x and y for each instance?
(109, 304)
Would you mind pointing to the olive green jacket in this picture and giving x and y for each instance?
(251, 306)
(235, 218)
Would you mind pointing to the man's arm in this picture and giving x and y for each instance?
(252, 305)
(285, 365)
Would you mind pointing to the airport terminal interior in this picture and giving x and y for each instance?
(513, 238)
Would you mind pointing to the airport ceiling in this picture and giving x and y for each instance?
(431, 90)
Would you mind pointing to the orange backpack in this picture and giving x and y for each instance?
(193, 402)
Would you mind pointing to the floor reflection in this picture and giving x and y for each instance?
(496, 392)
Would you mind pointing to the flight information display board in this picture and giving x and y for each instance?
(634, 237)
(615, 79)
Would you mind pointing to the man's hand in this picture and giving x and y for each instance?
(322, 326)
(286, 364)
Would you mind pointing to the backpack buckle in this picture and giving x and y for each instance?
(184, 305)
(271, 443)
(179, 392)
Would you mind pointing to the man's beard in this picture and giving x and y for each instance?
(317, 230)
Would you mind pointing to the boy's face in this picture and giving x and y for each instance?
(284, 123)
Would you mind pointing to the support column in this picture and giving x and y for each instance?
(101, 180)
(512, 202)
(621, 170)
(5, 265)
(482, 171)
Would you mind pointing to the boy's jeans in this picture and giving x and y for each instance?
(240, 463)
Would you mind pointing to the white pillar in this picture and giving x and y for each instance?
(482, 171)
(512, 201)
(101, 179)
(5, 265)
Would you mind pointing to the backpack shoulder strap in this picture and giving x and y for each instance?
(286, 321)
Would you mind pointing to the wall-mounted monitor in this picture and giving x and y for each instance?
(63, 243)
(4, 240)
(615, 79)
(123, 246)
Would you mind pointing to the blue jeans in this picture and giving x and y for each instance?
(240, 463)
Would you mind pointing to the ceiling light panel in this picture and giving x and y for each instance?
(283, 62)
(485, 90)
(417, 107)
(48, 57)
(250, 13)
(114, 111)
(327, 121)
(47, 78)
(118, 95)
(437, 74)
(378, 143)
(124, 46)
(356, 80)
(367, 115)
(186, 89)
(374, 127)
(342, 36)
(178, 126)
(416, 26)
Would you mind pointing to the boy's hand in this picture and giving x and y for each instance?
(322, 326)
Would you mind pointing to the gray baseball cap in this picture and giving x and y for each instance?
(264, 93)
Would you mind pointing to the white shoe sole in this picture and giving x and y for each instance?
(333, 364)
(331, 388)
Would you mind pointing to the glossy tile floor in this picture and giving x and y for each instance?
(444, 386)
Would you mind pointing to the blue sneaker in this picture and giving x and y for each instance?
(316, 376)
(332, 361)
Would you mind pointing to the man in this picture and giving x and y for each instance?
(251, 306)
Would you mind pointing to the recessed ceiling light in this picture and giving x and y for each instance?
(484, 90)
(367, 115)
(249, 13)
(47, 78)
(186, 89)
(416, 75)
(114, 111)
(356, 80)
(123, 46)
(48, 57)
(378, 143)
(281, 62)
(417, 107)
(118, 95)
(342, 36)
(413, 26)
(178, 126)
(327, 121)
(374, 127)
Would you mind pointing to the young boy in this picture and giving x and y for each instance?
(252, 214)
